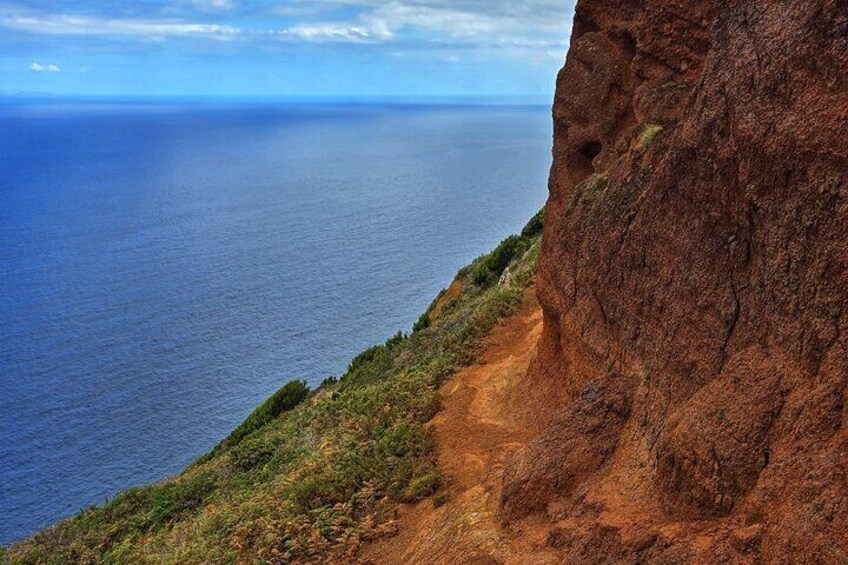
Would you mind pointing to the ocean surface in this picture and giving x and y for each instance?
(165, 267)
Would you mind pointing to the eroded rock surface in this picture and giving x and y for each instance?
(691, 379)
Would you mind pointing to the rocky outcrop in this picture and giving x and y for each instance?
(568, 451)
(690, 389)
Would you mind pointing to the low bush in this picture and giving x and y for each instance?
(396, 340)
(251, 453)
(421, 486)
(422, 323)
(173, 500)
(534, 226)
(281, 401)
(493, 265)
(370, 365)
(364, 358)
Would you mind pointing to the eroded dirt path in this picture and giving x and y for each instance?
(477, 430)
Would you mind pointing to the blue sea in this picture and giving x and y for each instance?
(166, 266)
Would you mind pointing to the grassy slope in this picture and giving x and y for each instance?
(307, 477)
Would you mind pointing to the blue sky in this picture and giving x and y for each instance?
(310, 48)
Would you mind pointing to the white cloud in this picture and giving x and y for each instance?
(532, 24)
(526, 27)
(83, 25)
(330, 32)
(213, 5)
(39, 68)
(396, 16)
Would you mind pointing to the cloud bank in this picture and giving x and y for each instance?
(532, 24)
(322, 47)
(39, 68)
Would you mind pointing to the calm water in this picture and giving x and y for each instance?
(164, 268)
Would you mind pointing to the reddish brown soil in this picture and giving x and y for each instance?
(478, 427)
(453, 291)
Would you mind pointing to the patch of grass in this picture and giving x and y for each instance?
(421, 486)
(176, 499)
(648, 134)
(307, 476)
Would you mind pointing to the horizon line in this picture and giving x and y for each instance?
(46, 97)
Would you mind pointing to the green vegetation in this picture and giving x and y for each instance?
(534, 226)
(308, 476)
(281, 401)
(649, 132)
(422, 323)
(492, 266)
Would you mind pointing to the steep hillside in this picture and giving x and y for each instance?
(310, 477)
(690, 389)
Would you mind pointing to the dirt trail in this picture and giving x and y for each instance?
(478, 428)
(483, 422)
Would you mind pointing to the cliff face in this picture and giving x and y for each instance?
(690, 387)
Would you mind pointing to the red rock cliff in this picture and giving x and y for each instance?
(690, 387)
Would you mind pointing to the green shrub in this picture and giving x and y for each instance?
(495, 263)
(281, 401)
(251, 453)
(504, 253)
(396, 340)
(371, 364)
(364, 358)
(423, 322)
(534, 226)
(174, 499)
(308, 492)
(422, 486)
(402, 440)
